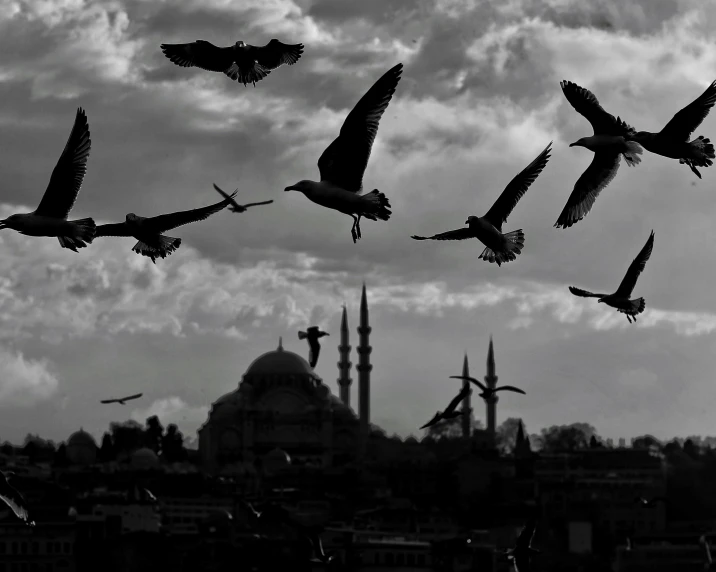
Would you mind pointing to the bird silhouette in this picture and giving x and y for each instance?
(620, 299)
(13, 498)
(499, 247)
(650, 503)
(450, 412)
(50, 217)
(708, 561)
(343, 163)
(608, 143)
(312, 334)
(673, 140)
(485, 391)
(122, 400)
(148, 231)
(523, 551)
(242, 62)
(235, 207)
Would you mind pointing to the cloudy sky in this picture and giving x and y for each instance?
(479, 99)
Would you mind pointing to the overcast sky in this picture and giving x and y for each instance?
(478, 100)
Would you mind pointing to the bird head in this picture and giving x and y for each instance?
(131, 217)
(470, 219)
(10, 222)
(578, 143)
(301, 186)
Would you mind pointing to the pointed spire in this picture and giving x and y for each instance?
(364, 308)
(466, 400)
(520, 434)
(344, 326)
(344, 365)
(491, 360)
(280, 344)
(465, 367)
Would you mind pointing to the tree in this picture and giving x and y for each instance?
(61, 456)
(567, 437)
(173, 445)
(127, 436)
(451, 428)
(594, 443)
(106, 450)
(153, 434)
(506, 434)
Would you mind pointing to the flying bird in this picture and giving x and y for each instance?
(708, 561)
(499, 247)
(235, 207)
(343, 163)
(673, 140)
(620, 299)
(122, 400)
(13, 498)
(50, 217)
(485, 391)
(608, 143)
(450, 411)
(650, 503)
(522, 551)
(312, 334)
(242, 62)
(148, 231)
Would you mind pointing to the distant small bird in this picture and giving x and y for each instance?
(312, 334)
(708, 561)
(13, 498)
(235, 207)
(343, 163)
(485, 391)
(499, 247)
(650, 503)
(320, 555)
(122, 400)
(609, 142)
(673, 140)
(628, 544)
(450, 411)
(148, 231)
(523, 551)
(242, 62)
(620, 299)
(50, 217)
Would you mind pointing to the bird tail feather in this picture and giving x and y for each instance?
(302, 335)
(164, 247)
(635, 307)
(515, 243)
(378, 204)
(84, 231)
(252, 75)
(703, 154)
(631, 156)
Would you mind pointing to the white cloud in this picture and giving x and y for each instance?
(174, 410)
(23, 381)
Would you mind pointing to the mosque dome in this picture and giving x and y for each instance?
(81, 448)
(279, 362)
(276, 459)
(144, 458)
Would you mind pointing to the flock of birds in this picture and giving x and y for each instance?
(342, 166)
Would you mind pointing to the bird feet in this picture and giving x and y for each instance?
(355, 231)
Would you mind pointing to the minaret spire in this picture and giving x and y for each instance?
(364, 367)
(466, 400)
(491, 381)
(344, 365)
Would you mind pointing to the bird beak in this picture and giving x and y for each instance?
(575, 144)
(289, 189)
(467, 222)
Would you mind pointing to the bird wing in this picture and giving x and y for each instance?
(526, 534)
(586, 104)
(247, 205)
(130, 397)
(163, 223)
(522, 562)
(707, 549)
(599, 174)
(109, 401)
(14, 499)
(584, 293)
(510, 388)
(471, 379)
(437, 417)
(201, 54)
(226, 196)
(69, 172)
(115, 229)
(275, 54)
(344, 161)
(458, 234)
(456, 400)
(516, 189)
(685, 122)
(315, 350)
(636, 268)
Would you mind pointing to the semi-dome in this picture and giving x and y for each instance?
(279, 362)
(144, 458)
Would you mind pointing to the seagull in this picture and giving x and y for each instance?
(148, 231)
(242, 61)
(122, 400)
(320, 555)
(13, 498)
(521, 553)
(485, 391)
(609, 142)
(312, 334)
(708, 561)
(620, 299)
(344, 161)
(50, 217)
(450, 411)
(650, 503)
(673, 140)
(628, 544)
(488, 229)
(235, 207)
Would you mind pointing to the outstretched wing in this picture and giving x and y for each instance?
(586, 104)
(452, 406)
(69, 172)
(201, 54)
(459, 234)
(163, 223)
(471, 380)
(275, 54)
(344, 161)
(636, 268)
(685, 122)
(130, 397)
(437, 417)
(516, 189)
(227, 197)
(510, 388)
(526, 534)
(584, 293)
(14, 499)
(599, 174)
(115, 229)
(247, 205)
(109, 401)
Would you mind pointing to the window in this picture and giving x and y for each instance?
(67, 547)
(400, 559)
(421, 559)
(35, 547)
(14, 547)
(389, 559)
(410, 558)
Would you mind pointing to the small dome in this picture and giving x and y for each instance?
(144, 458)
(276, 459)
(279, 362)
(81, 448)
(81, 438)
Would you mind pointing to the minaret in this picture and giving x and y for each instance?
(344, 366)
(491, 381)
(364, 365)
(465, 401)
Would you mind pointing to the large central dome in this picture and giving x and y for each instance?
(279, 362)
